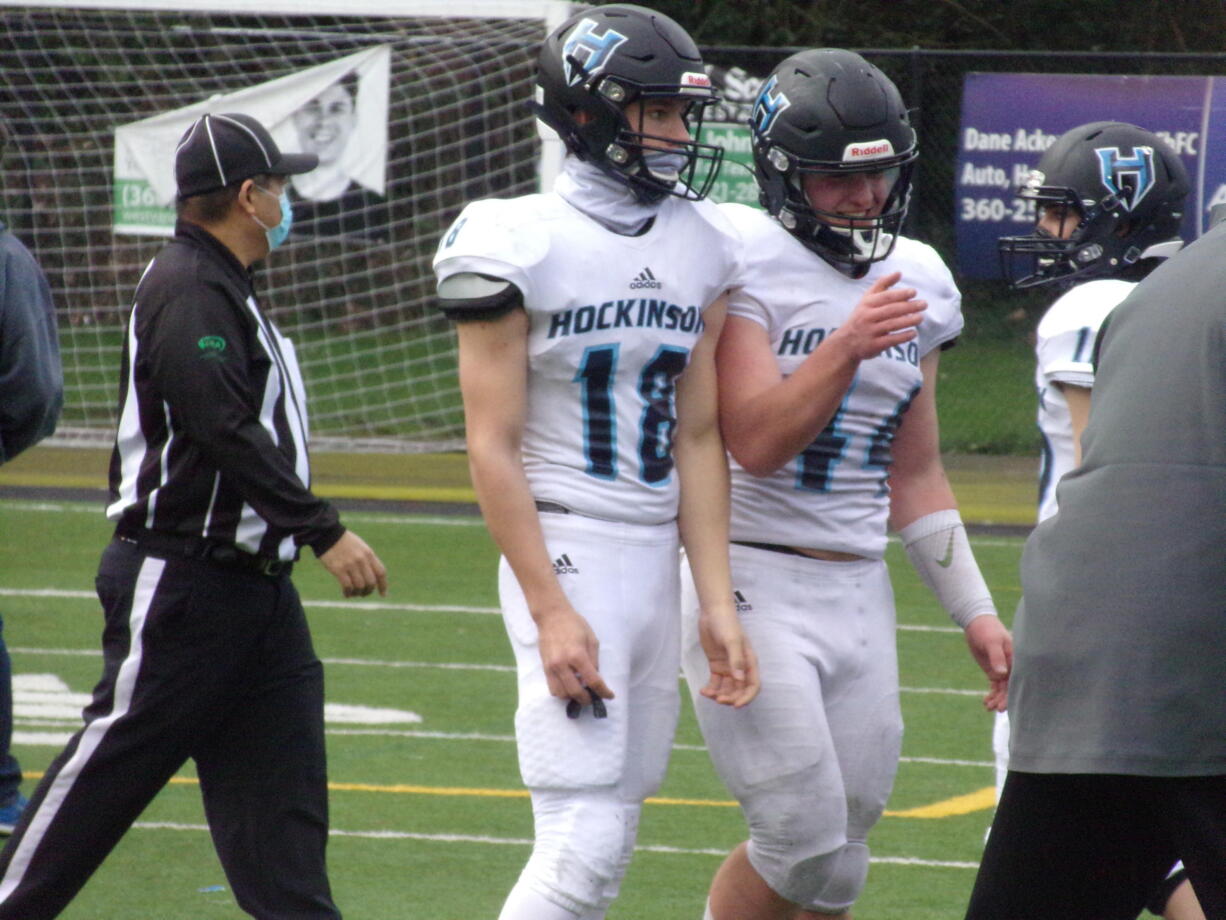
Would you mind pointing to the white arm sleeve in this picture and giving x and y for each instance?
(937, 546)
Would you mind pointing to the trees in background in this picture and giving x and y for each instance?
(1034, 25)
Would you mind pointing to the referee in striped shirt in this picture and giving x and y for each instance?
(206, 650)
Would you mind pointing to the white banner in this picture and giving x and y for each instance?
(337, 110)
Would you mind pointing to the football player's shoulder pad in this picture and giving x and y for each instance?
(470, 296)
(706, 229)
(1086, 304)
(765, 241)
(712, 214)
(922, 267)
(502, 230)
(749, 222)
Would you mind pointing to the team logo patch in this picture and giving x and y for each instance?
(1128, 177)
(586, 53)
(868, 150)
(771, 101)
(212, 346)
(645, 279)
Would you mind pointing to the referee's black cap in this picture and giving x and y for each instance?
(219, 150)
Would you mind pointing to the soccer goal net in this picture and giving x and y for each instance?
(414, 107)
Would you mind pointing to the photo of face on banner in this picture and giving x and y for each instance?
(325, 126)
(328, 201)
(337, 110)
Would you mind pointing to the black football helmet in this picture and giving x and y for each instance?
(1121, 186)
(598, 62)
(830, 112)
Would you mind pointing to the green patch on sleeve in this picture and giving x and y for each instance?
(212, 347)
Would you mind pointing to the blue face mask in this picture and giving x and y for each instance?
(276, 235)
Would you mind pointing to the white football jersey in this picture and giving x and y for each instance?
(613, 320)
(1064, 348)
(834, 495)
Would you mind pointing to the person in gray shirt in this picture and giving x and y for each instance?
(1118, 691)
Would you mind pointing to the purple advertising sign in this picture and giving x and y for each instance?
(1009, 119)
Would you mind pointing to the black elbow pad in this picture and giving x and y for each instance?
(469, 296)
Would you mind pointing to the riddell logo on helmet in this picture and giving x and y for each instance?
(696, 79)
(872, 150)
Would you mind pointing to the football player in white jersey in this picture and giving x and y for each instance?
(587, 322)
(1109, 200)
(827, 365)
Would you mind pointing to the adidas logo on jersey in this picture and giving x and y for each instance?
(645, 279)
(742, 605)
(563, 566)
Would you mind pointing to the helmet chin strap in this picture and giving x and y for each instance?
(863, 245)
(863, 242)
(868, 244)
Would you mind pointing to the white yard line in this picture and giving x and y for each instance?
(309, 603)
(525, 842)
(429, 665)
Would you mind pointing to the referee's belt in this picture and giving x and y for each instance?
(168, 545)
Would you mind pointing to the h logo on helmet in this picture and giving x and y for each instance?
(586, 53)
(1129, 178)
(770, 103)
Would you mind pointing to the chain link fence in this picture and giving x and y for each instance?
(72, 77)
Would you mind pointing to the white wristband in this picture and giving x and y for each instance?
(937, 546)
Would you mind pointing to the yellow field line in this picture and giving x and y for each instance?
(400, 789)
(398, 493)
(451, 494)
(980, 800)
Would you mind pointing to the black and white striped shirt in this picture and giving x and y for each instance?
(212, 438)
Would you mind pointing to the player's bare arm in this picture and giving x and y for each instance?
(493, 359)
(355, 566)
(1078, 399)
(924, 512)
(702, 467)
(768, 419)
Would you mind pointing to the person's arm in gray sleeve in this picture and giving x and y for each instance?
(31, 377)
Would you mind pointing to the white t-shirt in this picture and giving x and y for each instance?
(834, 495)
(1064, 348)
(612, 322)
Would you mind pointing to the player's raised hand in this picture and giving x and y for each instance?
(734, 666)
(355, 566)
(884, 317)
(570, 654)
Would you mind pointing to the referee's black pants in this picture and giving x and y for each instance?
(1096, 846)
(205, 662)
